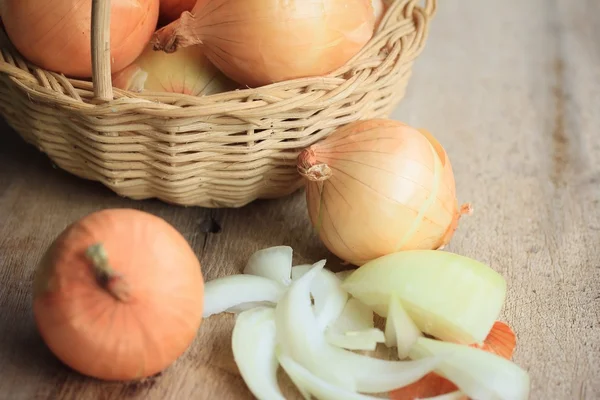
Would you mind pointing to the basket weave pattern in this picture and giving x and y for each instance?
(223, 150)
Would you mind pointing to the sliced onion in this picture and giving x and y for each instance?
(298, 331)
(479, 374)
(400, 330)
(253, 343)
(300, 338)
(356, 340)
(225, 293)
(314, 385)
(328, 296)
(356, 316)
(273, 262)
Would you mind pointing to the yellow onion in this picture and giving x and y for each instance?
(56, 34)
(186, 71)
(377, 187)
(257, 42)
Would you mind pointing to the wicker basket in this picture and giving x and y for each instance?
(223, 150)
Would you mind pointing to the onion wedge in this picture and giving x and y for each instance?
(273, 263)
(478, 374)
(309, 383)
(300, 338)
(234, 291)
(253, 343)
(448, 296)
(356, 340)
(400, 330)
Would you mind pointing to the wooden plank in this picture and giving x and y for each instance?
(511, 89)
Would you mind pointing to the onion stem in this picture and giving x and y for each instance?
(312, 170)
(106, 277)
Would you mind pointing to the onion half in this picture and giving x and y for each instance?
(448, 296)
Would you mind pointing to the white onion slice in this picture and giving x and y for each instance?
(231, 291)
(328, 296)
(300, 338)
(356, 340)
(321, 389)
(273, 263)
(298, 332)
(356, 316)
(400, 330)
(477, 373)
(253, 343)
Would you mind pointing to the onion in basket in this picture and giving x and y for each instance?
(379, 186)
(257, 42)
(55, 34)
(186, 71)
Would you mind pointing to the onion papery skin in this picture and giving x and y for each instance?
(187, 71)
(379, 186)
(92, 331)
(258, 42)
(56, 34)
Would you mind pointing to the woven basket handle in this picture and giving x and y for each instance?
(101, 76)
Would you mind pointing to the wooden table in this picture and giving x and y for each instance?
(510, 88)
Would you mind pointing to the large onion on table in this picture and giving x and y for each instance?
(56, 34)
(119, 295)
(257, 42)
(377, 187)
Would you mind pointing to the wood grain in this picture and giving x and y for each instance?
(510, 88)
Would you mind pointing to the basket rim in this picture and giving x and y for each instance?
(53, 84)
